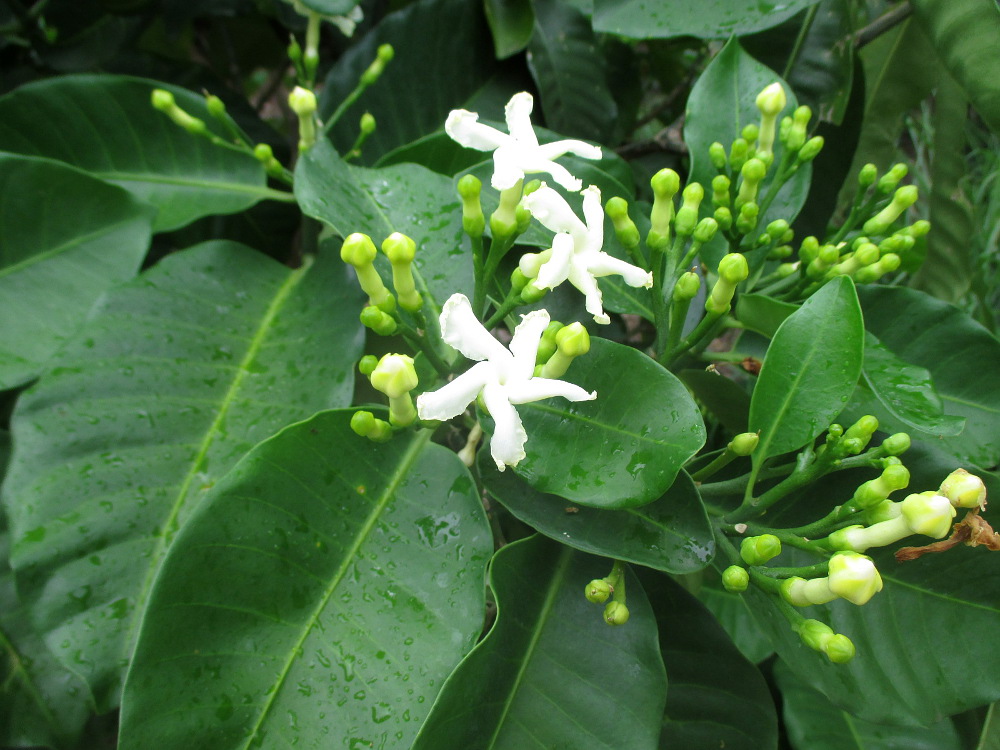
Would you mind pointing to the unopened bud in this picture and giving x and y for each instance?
(367, 124)
(547, 346)
(744, 443)
(705, 230)
(616, 613)
(757, 550)
(625, 228)
(687, 214)
(367, 364)
(717, 155)
(928, 514)
(687, 287)
(735, 579)
(904, 198)
(964, 490)
(867, 175)
(738, 153)
(724, 217)
(888, 182)
(378, 321)
(401, 251)
(811, 149)
(365, 424)
(854, 577)
(216, 107)
(571, 341)
(598, 591)
(746, 222)
(896, 445)
(665, 184)
(753, 172)
(383, 56)
(720, 190)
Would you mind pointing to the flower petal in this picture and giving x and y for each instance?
(602, 264)
(586, 283)
(593, 213)
(556, 270)
(524, 343)
(552, 210)
(509, 437)
(462, 330)
(452, 399)
(507, 167)
(518, 114)
(538, 388)
(569, 146)
(464, 128)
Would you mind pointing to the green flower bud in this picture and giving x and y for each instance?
(616, 613)
(625, 229)
(964, 490)
(518, 280)
(365, 424)
(928, 514)
(665, 184)
(834, 432)
(811, 149)
(705, 230)
(532, 294)
(367, 124)
(263, 153)
(757, 550)
(735, 579)
(809, 249)
(902, 200)
(750, 133)
(547, 346)
(795, 138)
(733, 268)
(572, 341)
(303, 103)
(894, 477)
(744, 443)
(753, 172)
(378, 321)
(504, 221)
(359, 251)
(839, 649)
(687, 287)
(746, 222)
(469, 189)
(401, 251)
(850, 446)
(164, 101)
(814, 634)
(770, 102)
(720, 190)
(724, 217)
(867, 175)
(777, 229)
(864, 428)
(780, 253)
(395, 376)
(738, 154)
(598, 591)
(896, 445)
(216, 107)
(896, 243)
(801, 593)
(687, 214)
(294, 51)
(917, 229)
(717, 155)
(884, 511)
(383, 56)
(854, 577)
(367, 364)
(886, 264)
(786, 269)
(891, 179)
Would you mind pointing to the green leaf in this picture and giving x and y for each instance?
(571, 73)
(733, 614)
(727, 401)
(41, 702)
(948, 270)
(551, 672)
(763, 314)
(621, 450)
(964, 33)
(712, 19)
(816, 724)
(444, 41)
(406, 198)
(722, 101)
(909, 669)
(512, 23)
(905, 392)
(105, 125)
(810, 370)
(953, 348)
(330, 7)
(715, 697)
(176, 376)
(671, 534)
(346, 582)
(83, 237)
(990, 738)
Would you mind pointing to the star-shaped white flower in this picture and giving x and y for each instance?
(517, 152)
(576, 253)
(503, 376)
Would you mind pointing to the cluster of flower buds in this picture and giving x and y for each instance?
(612, 587)
(851, 576)
(359, 252)
(820, 637)
(395, 376)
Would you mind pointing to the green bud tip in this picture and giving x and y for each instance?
(162, 100)
(530, 186)
(263, 153)
(964, 490)
(302, 102)
(705, 230)
(532, 294)
(776, 229)
(598, 591)
(469, 187)
(665, 184)
(744, 443)
(724, 216)
(687, 286)
(750, 133)
(854, 577)
(801, 116)
(735, 579)
(717, 155)
(216, 107)
(367, 124)
(771, 100)
(864, 428)
(616, 209)
(897, 444)
(394, 375)
(616, 613)
(757, 550)
(867, 175)
(378, 320)
(573, 340)
(928, 513)
(754, 170)
(399, 248)
(693, 193)
(721, 184)
(385, 53)
(810, 150)
(363, 422)
(839, 649)
(734, 268)
(367, 364)
(358, 250)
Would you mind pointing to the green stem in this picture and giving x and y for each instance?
(704, 327)
(737, 484)
(479, 294)
(807, 23)
(802, 476)
(512, 300)
(722, 460)
(419, 342)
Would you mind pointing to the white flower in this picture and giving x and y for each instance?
(576, 253)
(517, 152)
(503, 376)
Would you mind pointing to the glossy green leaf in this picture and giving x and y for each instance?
(816, 724)
(715, 697)
(406, 198)
(671, 534)
(65, 237)
(712, 19)
(512, 23)
(41, 702)
(810, 370)
(964, 33)
(734, 615)
(906, 392)
(956, 351)
(570, 72)
(948, 269)
(444, 41)
(722, 101)
(763, 314)
(105, 125)
(346, 583)
(990, 737)
(909, 669)
(727, 401)
(550, 673)
(622, 449)
(330, 7)
(176, 376)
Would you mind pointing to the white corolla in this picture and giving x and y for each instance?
(576, 255)
(517, 152)
(503, 376)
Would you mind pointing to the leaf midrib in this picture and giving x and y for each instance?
(406, 462)
(164, 179)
